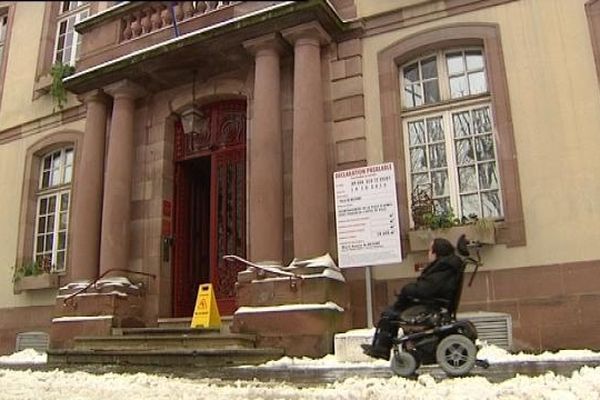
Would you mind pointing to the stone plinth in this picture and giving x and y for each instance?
(110, 303)
(297, 308)
(300, 329)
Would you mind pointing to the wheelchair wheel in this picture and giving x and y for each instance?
(403, 363)
(456, 354)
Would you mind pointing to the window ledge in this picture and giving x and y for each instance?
(420, 239)
(36, 282)
(42, 85)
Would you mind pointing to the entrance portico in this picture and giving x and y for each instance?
(227, 190)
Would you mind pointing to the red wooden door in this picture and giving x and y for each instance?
(209, 206)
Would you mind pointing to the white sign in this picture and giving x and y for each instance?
(366, 211)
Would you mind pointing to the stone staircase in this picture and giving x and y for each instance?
(171, 343)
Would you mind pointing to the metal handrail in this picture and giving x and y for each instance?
(73, 295)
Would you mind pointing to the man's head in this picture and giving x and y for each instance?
(440, 248)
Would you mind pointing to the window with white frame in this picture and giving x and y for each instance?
(68, 41)
(449, 132)
(3, 28)
(52, 215)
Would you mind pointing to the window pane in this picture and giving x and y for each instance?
(60, 261)
(461, 122)
(68, 174)
(484, 148)
(474, 60)
(62, 28)
(439, 181)
(62, 224)
(416, 133)
(455, 63)
(491, 204)
(458, 87)
(62, 241)
(420, 180)
(437, 156)
(42, 225)
(64, 201)
(434, 129)
(49, 241)
(50, 223)
(470, 204)
(467, 179)
(418, 160)
(39, 247)
(481, 120)
(429, 68)
(43, 206)
(51, 204)
(413, 96)
(55, 180)
(45, 179)
(477, 83)
(432, 91)
(411, 74)
(47, 162)
(442, 205)
(464, 152)
(488, 176)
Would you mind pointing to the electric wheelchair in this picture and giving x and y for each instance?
(432, 335)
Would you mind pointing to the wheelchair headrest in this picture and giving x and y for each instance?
(461, 246)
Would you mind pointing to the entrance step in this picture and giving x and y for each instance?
(185, 322)
(166, 344)
(164, 331)
(196, 357)
(164, 341)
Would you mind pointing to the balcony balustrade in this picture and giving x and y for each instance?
(154, 16)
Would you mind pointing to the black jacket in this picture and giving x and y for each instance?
(438, 280)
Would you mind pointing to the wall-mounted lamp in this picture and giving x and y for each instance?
(192, 118)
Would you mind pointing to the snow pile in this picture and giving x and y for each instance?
(27, 356)
(497, 355)
(58, 385)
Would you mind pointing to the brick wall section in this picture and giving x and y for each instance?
(22, 319)
(347, 105)
(552, 306)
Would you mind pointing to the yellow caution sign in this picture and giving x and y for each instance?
(206, 312)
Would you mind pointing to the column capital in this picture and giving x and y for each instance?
(271, 41)
(96, 95)
(125, 88)
(310, 30)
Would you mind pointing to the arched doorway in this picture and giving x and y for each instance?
(209, 206)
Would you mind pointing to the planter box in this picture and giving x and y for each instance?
(419, 239)
(42, 281)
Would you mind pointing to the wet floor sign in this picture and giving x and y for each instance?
(206, 312)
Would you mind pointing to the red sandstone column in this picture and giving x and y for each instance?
(114, 246)
(309, 175)
(265, 197)
(86, 214)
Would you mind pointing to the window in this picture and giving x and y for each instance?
(68, 41)
(52, 215)
(448, 132)
(3, 29)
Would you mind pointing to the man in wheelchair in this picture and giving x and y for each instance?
(422, 304)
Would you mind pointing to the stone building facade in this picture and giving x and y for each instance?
(493, 103)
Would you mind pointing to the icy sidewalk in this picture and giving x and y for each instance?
(57, 384)
(493, 354)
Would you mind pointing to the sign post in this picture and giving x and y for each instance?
(366, 209)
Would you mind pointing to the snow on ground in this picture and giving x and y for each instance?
(27, 356)
(56, 384)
